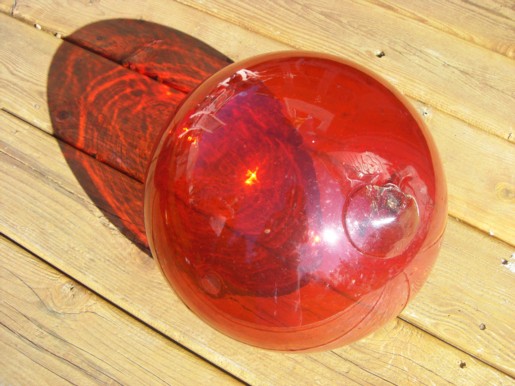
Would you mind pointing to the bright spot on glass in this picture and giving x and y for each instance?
(251, 177)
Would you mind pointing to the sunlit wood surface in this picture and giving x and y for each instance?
(81, 304)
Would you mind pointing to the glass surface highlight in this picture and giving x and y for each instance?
(296, 202)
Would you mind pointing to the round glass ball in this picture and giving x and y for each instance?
(296, 202)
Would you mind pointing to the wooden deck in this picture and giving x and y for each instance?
(80, 303)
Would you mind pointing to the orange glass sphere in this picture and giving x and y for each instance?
(296, 202)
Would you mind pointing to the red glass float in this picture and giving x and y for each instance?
(296, 202)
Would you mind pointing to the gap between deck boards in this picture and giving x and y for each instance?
(405, 320)
(408, 322)
(464, 220)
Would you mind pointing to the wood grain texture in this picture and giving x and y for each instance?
(488, 23)
(54, 330)
(480, 176)
(65, 17)
(469, 287)
(44, 208)
(484, 198)
(422, 67)
(6, 6)
(72, 234)
(27, 86)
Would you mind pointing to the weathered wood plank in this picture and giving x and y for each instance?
(480, 178)
(40, 47)
(115, 90)
(63, 18)
(465, 239)
(28, 68)
(44, 209)
(432, 66)
(484, 198)
(488, 23)
(57, 330)
(467, 300)
(6, 6)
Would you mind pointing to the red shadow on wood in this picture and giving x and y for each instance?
(113, 87)
(289, 214)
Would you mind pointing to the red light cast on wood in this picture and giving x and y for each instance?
(296, 202)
